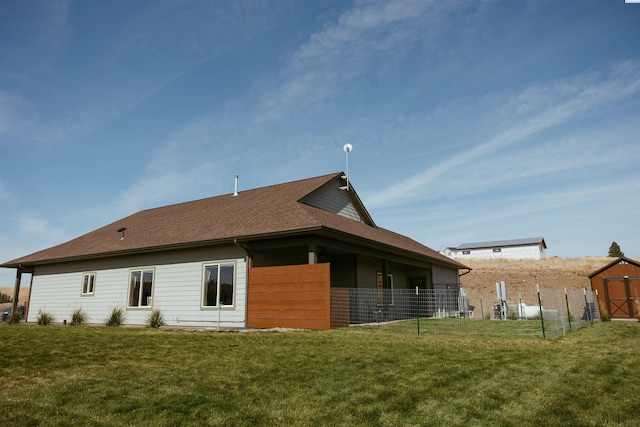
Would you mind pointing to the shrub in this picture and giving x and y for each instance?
(604, 316)
(155, 319)
(116, 318)
(15, 318)
(44, 318)
(78, 317)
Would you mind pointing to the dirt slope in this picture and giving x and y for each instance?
(522, 276)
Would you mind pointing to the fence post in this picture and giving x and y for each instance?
(540, 305)
(586, 306)
(566, 299)
(520, 309)
(418, 310)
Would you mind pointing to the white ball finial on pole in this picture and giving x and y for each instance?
(347, 149)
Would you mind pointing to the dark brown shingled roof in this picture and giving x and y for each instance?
(258, 213)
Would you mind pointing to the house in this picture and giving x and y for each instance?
(618, 288)
(530, 248)
(260, 258)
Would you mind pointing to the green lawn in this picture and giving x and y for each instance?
(359, 376)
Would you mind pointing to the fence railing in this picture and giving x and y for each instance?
(548, 313)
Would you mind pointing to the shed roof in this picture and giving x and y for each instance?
(273, 211)
(503, 243)
(615, 262)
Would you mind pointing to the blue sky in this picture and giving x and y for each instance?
(470, 121)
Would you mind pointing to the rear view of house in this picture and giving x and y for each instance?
(259, 258)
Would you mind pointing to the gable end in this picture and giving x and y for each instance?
(331, 198)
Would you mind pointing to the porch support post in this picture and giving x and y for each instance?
(385, 274)
(16, 290)
(313, 254)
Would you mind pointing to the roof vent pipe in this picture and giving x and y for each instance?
(235, 191)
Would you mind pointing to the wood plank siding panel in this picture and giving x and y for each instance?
(294, 296)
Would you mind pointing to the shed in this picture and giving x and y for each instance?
(618, 288)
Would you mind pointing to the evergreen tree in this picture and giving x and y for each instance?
(614, 250)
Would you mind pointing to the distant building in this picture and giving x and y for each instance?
(531, 248)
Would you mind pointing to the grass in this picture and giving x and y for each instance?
(61, 376)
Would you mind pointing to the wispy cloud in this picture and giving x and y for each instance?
(371, 28)
(369, 36)
(582, 97)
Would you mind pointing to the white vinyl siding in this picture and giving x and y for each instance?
(505, 252)
(177, 289)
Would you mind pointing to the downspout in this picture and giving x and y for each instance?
(460, 275)
(245, 249)
(249, 263)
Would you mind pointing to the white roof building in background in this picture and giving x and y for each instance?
(529, 248)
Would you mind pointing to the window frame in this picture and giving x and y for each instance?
(87, 293)
(204, 286)
(142, 271)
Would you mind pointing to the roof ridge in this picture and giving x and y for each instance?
(282, 184)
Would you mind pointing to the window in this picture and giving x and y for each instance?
(466, 252)
(218, 284)
(496, 250)
(88, 283)
(140, 288)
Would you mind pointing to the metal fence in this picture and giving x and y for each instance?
(547, 313)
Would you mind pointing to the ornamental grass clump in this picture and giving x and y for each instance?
(155, 319)
(15, 318)
(78, 317)
(604, 315)
(44, 318)
(116, 318)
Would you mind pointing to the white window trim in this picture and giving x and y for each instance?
(219, 263)
(93, 287)
(153, 288)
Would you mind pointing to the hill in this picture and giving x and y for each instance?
(23, 296)
(522, 276)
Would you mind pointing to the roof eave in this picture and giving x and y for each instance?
(159, 248)
(394, 249)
